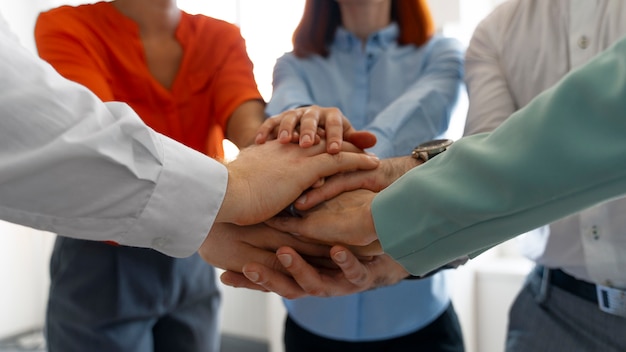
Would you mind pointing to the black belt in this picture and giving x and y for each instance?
(565, 282)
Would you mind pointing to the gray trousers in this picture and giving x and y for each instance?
(561, 321)
(110, 298)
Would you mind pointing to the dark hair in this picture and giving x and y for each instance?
(321, 18)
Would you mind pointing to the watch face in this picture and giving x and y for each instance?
(435, 146)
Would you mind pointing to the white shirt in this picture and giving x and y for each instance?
(73, 165)
(521, 49)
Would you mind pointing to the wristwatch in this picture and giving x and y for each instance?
(430, 149)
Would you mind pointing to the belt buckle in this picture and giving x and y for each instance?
(612, 300)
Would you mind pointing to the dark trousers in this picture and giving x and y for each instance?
(122, 299)
(442, 335)
(545, 317)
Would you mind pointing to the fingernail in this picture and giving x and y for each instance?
(285, 259)
(301, 200)
(258, 138)
(305, 139)
(340, 256)
(252, 276)
(334, 146)
(283, 135)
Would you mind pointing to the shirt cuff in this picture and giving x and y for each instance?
(184, 204)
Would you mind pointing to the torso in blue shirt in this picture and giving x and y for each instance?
(405, 95)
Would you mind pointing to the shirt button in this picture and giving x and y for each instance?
(595, 232)
(583, 42)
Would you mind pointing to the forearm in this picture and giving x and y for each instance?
(489, 188)
(245, 122)
(289, 89)
(424, 110)
(78, 167)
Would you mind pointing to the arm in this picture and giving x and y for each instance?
(488, 188)
(561, 153)
(79, 167)
(238, 105)
(490, 100)
(73, 165)
(423, 112)
(244, 123)
(296, 117)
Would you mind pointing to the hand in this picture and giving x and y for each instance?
(230, 247)
(310, 124)
(374, 180)
(350, 277)
(264, 179)
(345, 219)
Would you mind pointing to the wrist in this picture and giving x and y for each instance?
(370, 229)
(223, 215)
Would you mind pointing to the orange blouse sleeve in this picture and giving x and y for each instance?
(234, 76)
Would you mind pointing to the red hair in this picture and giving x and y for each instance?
(321, 18)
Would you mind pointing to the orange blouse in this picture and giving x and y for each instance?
(99, 47)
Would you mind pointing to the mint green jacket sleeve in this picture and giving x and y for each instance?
(564, 152)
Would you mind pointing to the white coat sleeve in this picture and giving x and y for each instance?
(73, 165)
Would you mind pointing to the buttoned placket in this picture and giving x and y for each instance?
(598, 249)
(582, 31)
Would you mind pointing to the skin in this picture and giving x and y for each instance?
(370, 269)
(237, 236)
(374, 180)
(157, 21)
(351, 275)
(249, 200)
(308, 125)
(227, 245)
(364, 17)
(361, 17)
(326, 199)
(230, 246)
(339, 211)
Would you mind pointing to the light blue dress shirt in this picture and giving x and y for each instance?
(405, 95)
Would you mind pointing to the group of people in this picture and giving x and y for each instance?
(362, 71)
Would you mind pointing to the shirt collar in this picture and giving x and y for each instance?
(345, 40)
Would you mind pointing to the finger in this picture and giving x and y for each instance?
(266, 130)
(361, 139)
(273, 281)
(331, 187)
(306, 276)
(334, 127)
(372, 249)
(353, 270)
(288, 224)
(238, 280)
(295, 137)
(319, 183)
(308, 127)
(328, 164)
(288, 123)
